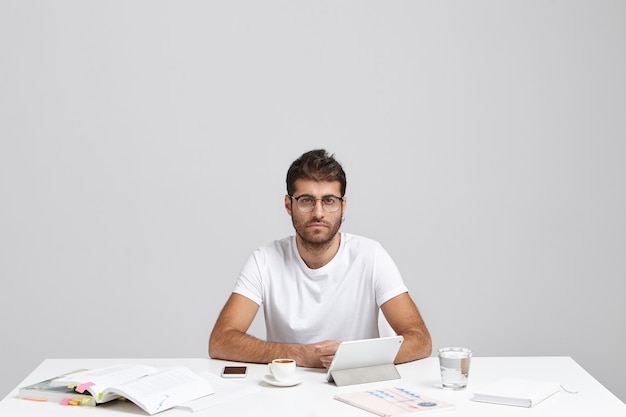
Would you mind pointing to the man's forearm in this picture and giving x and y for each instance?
(237, 346)
(416, 345)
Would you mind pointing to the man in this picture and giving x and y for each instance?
(318, 287)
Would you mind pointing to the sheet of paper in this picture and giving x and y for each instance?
(225, 391)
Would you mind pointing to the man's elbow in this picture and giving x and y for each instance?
(212, 351)
(215, 347)
(427, 347)
(422, 346)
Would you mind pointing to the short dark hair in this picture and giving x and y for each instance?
(316, 165)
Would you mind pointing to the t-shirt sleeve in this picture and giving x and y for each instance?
(249, 282)
(388, 282)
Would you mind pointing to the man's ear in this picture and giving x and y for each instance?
(288, 204)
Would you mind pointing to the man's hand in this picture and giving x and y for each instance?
(325, 351)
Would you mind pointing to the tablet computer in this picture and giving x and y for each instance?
(364, 353)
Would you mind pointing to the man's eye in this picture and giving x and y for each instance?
(306, 200)
(329, 201)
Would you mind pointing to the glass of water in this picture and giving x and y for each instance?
(455, 365)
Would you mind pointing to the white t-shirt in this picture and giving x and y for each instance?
(339, 301)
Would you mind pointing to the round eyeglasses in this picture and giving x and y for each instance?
(306, 203)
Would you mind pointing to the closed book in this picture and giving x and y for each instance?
(517, 392)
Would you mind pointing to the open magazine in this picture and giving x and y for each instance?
(152, 389)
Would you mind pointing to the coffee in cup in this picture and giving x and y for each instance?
(283, 369)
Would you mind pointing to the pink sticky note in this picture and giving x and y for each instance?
(65, 401)
(82, 387)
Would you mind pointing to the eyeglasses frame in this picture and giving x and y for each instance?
(321, 200)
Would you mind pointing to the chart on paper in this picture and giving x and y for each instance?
(392, 401)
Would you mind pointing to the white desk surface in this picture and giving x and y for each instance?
(314, 396)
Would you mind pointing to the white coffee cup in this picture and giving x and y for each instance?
(283, 369)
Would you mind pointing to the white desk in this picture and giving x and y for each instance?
(313, 397)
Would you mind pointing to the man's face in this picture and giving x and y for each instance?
(316, 227)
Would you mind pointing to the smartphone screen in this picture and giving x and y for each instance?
(234, 371)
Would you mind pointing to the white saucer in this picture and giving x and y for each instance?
(272, 381)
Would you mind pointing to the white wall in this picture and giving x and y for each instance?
(144, 144)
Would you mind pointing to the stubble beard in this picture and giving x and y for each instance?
(316, 241)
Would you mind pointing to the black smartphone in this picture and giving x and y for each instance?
(234, 372)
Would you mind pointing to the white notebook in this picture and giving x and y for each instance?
(518, 392)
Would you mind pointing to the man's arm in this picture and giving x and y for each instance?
(403, 316)
(229, 340)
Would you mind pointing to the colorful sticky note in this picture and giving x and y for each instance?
(65, 401)
(82, 387)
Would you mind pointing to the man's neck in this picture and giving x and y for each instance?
(316, 256)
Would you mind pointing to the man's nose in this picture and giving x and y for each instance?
(318, 208)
